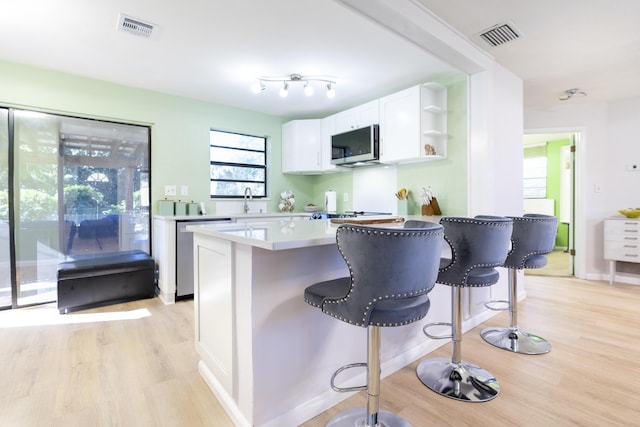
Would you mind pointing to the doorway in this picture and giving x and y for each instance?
(549, 188)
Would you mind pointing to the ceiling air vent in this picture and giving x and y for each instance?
(500, 34)
(135, 26)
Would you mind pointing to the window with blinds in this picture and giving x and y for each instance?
(237, 162)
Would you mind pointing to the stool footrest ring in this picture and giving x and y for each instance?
(436, 337)
(492, 305)
(347, 389)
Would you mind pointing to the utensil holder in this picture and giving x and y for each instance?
(402, 207)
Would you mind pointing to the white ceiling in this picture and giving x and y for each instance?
(593, 45)
(213, 50)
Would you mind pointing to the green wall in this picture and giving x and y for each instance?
(179, 126)
(554, 169)
(447, 178)
(180, 137)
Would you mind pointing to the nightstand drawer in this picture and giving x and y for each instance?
(622, 251)
(622, 230)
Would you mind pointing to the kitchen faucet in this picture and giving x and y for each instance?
(246, 205)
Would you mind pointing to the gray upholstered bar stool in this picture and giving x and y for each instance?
(478, 245)
(533, 236)
(391, 273)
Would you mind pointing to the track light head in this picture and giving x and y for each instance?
(308, 89)
(331, 93)
(284, 91)
(258, 87)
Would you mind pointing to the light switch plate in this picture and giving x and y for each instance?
(169, 190)
(184, 190)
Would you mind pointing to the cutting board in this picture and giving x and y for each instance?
(367, 221)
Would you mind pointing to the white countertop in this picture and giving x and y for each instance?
(273, 235)
(279, 235)
(256, 216)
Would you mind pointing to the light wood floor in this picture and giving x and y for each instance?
(558, 264)
(105, 372)
(143, 372)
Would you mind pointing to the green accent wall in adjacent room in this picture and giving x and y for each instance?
(554, 170)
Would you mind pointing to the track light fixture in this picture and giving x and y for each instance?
(308, 81)
(570, 93)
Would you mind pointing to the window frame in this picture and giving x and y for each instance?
(213, 162)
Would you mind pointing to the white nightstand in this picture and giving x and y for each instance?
(621, 242)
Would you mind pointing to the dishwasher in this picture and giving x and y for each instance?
(184, 254)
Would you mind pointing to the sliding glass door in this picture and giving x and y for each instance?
(80, 188)
(35, 151)
(5, 257)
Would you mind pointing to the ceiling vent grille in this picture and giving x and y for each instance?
(500, 34)
(135, 26)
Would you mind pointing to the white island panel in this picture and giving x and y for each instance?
(213, 301)
(283, 351)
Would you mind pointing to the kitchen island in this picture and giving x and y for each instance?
(265, 353)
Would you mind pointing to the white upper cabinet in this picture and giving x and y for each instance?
(413, 127)
(357, 117)
(413, 124)
(302, 146)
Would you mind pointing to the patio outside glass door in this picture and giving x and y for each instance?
(37, 229)
(69, 188)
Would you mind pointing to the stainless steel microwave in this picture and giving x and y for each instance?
(355, 146)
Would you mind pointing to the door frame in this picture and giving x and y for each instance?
(577, 227)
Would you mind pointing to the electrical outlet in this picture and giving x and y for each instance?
(184, 190)
(345, 197)
(169, 190)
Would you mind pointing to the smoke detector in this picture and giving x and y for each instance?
(500, 34)
(136, 26)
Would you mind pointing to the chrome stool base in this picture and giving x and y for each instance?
(460, 381)
(357, 417)
(515, 340)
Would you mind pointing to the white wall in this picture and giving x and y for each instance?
(608, 132)
(495, 143)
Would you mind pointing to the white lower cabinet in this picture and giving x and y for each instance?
(621, 242)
